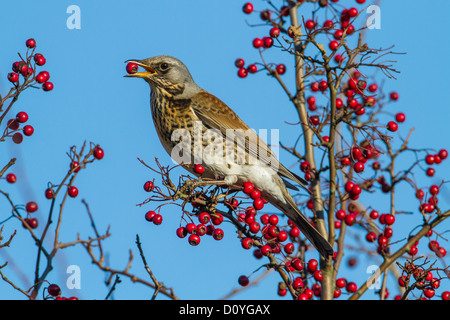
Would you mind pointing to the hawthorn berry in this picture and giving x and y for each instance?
(99, 153)
(242, 73)
(49, 193)
(194, 240)
(149, 186)
(31, 222)
(131, 67)
(243, 281)
(239, 62)
(39, 59)
(257, 43)
(400, 117)
(181, 232)
(198, 168)
(333, 45)
(248, 187)
(54, 290)
(394, 96)
(275, 32)
(31, 207)
(13, 77)
(247, 243)
(204, 217)
(47, 86)
(247, 8)
(28, 130)
(30, 43)
(11, 178)
(149, 215)
(392, 126)
(72, 191)
(443, 154)
(17, 138)
(281, 69)
(252, 68)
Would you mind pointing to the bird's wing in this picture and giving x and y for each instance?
(215, 114)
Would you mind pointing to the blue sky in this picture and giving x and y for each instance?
(92, 101)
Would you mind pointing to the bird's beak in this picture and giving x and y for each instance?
(149, 71)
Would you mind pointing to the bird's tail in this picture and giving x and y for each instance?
(311, 233)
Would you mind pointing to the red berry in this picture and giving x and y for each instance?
(17, 137)
(267, 42)
(54, 290)
(333, 45)
(258, 203)
(323, 85)
(392, 126)
(242, 73)
(157, 219)
(248, 187)
(252, 68)
(30, 43)
(443, 154)
(273, 219)
(149, 186)
(373, 87)
(247, 243)
(350, 219)
(99, 153)
(132, 67)
(400, 117)
(394, 96)
(22, 117)
(72, 191)
(28, 130)
(247, 8)
(310, 24)
(352, 12)
(47, 86)
(218, 234)
(266, 250)
(217, 219)
(240, 63)
(257, 43)
(181, 232)
(315, 120)
(265, 15)
(371, 236)
(194, 240)
(351, 287)
(243, 281)
(340, 214)
(31, 206)
(11, 178)
(312, 265)
(281, 69)
(289, 248)
(358, 166)
(31, 222)
(430, 172)
(389, 219)
(318, 275)
(39, 59)
(274, 32)
(204, 217)
(13, 77)
(49, 193)
(198, 168)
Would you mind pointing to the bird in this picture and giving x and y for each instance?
(194, 126)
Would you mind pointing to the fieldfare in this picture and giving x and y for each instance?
(196, 127)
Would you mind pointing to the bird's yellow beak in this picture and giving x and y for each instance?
(149, 71)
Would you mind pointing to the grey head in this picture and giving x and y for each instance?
(166, 73)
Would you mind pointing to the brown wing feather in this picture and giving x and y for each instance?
(217, 115)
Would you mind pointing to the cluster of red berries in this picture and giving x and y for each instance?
(14, 125)
(26, 70)
(435, 159)
(424, 280)
(30, 222)
(55, 292)
(75, 166)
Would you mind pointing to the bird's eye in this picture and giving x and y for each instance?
(164, 66)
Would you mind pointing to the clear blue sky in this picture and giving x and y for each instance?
(92, 101)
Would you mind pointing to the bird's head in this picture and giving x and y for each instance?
(166, 73)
